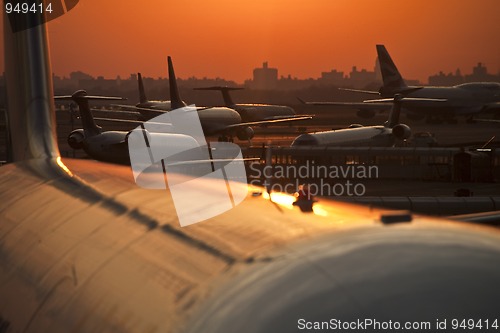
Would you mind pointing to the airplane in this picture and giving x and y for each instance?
(371, 136)
(112, 146)
(365, 110)
(145, 103)
(223, 122)
(106, 146)
(465, 99)
(253, 112)
(83, 249)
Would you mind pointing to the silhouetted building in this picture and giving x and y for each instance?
(360, 79)
(449, 79)
(265, 78)
(292, 83)
(480, 74)
(333, 77)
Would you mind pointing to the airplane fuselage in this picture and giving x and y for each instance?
(110, 146)
(212, 120)
(463, 99)
(258, 112)
(372, 136)
(158, 105)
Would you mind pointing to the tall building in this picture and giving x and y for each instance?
(360, 79)
(265, 78)
(333, 77)
(480, 74)
(449, 79)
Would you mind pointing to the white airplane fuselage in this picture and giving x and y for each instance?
(372, 136)
(258, 112)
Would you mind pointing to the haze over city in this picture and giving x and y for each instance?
(227, 39)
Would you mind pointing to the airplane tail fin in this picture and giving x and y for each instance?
(395, 111)
(228, 101)
(81, 98)
(175, 98)
(393, 81)
(142, 93)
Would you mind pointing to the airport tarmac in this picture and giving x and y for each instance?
(445, 134)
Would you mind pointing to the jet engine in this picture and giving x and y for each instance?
(401, 131)
(365, 114)
(246, 133)
(76, 138)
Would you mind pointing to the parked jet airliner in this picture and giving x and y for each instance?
(371, 136)
(467, 99)
(254, 112)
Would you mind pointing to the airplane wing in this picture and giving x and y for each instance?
(90, 97)
(361, 91)
(130, 113)
(266, 122)
(406, 100)
(214, 160)
(112, 245)
(289, 117)
(157, 110)
(129, 121)
(125, 106)
(357, 105)
(487, 120)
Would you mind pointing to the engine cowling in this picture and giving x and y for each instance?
(246, 133)
(365, 114)
(401, 131)
(76, 139)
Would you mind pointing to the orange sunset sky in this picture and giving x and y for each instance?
(228, 38)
